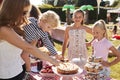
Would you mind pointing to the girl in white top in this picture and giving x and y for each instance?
(12, 16)
(74, 38)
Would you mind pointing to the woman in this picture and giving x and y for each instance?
(12, 17)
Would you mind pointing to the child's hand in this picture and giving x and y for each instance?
(105, 63)
(62, 58)
(59, 57)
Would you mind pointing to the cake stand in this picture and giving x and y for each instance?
(65, 76)
(101, 75)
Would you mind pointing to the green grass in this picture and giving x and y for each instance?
(115, 69)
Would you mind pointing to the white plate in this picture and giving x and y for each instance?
(55, 71)
(34, 69)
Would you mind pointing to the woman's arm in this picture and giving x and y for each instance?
(12, 37)
(26, 58)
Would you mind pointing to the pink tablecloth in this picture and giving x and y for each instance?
(37, 76)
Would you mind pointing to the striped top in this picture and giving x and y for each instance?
(34, 32)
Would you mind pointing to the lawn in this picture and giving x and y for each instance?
(115, 70)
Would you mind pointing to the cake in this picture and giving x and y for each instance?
(93, 67)
(98, 59)
(93, 64)
(67, 68)
(95, 59)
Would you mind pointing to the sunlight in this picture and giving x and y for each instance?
(36, 2)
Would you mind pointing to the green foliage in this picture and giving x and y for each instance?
(87, 7)
(67, 6)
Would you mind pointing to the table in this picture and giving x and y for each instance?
(37, 76)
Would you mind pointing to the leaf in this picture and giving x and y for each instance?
(86, 7)
(66, 6)
(90, 7)
(83, 8)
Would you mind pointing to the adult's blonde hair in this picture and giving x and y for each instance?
(102, 25)
(51, 18)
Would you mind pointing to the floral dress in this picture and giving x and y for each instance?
(77, 51)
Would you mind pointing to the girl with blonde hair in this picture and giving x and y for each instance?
(101, 45)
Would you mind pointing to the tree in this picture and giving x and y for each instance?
(68, 8)
(86, 8)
